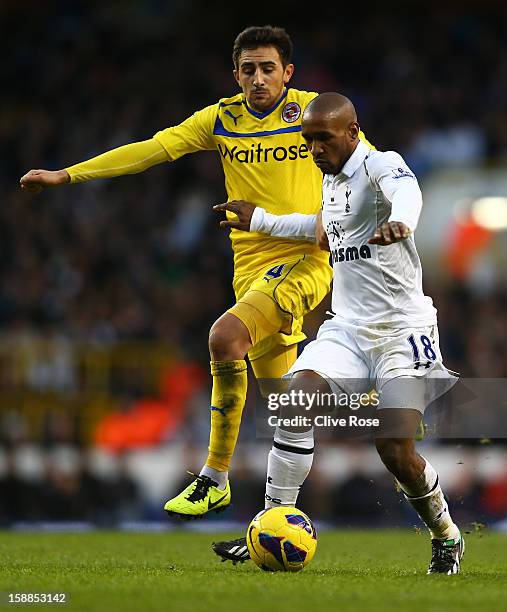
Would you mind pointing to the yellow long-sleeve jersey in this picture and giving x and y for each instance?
(265, 161)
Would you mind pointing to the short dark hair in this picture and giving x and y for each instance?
(263, 36)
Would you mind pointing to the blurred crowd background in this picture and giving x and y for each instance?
(108, 289)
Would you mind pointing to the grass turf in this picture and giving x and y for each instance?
(352, 570)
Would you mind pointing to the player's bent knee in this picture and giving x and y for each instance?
(309, 379)
(228, 339)
(313, 387)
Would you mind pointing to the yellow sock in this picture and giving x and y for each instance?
(228, 397)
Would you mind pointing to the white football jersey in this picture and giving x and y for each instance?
(373, 284)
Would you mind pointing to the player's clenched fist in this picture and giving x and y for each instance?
(243, 211)
(37, 180)
(387, 233)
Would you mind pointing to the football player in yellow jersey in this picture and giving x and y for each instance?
(257, 134)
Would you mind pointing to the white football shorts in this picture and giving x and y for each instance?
(404, 365)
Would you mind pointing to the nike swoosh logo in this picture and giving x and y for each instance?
(211, 504)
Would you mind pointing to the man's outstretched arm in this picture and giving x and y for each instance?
(252, 218)
(128, 159)
(194, 134)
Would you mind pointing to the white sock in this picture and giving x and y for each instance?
(426, 497)
(289, 463)
(219, 477)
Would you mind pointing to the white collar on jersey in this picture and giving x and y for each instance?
(356, 159)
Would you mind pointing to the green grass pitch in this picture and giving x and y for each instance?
(352, 570)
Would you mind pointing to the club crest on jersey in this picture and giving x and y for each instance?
(335, 233)
(347, 195)
(291, 112)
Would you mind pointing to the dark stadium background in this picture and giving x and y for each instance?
(108, 289)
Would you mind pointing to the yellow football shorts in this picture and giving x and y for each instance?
(296, 285)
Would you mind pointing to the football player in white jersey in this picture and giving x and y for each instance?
(384, 329)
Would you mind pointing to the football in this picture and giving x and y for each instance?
(281, 539)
